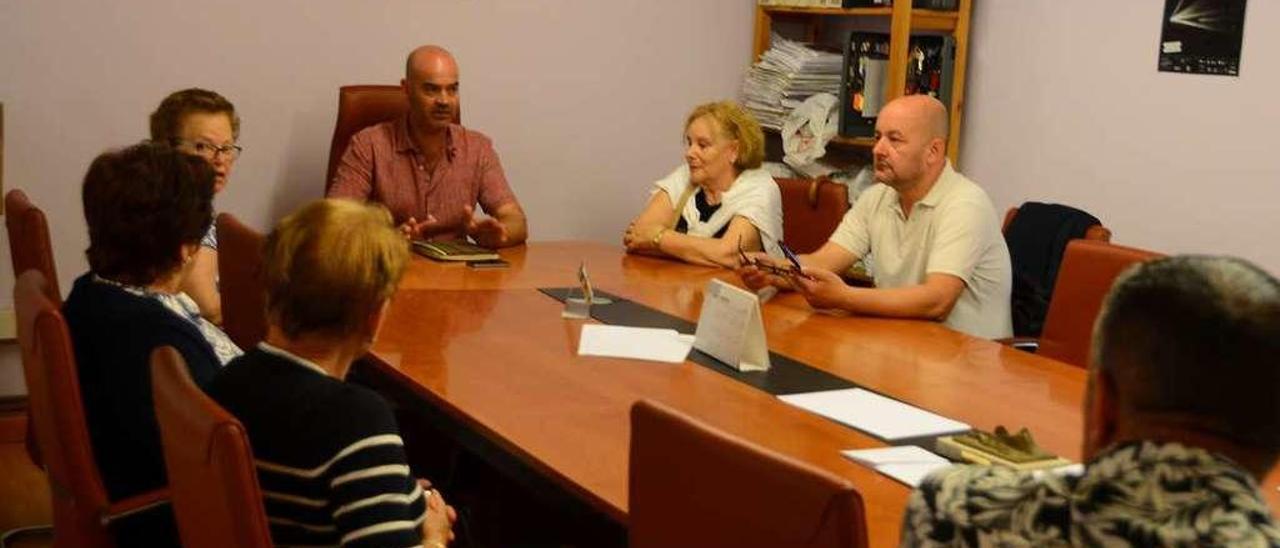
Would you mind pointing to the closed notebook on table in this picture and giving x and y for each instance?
(453, 251)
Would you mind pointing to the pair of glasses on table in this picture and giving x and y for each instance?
(794, 270)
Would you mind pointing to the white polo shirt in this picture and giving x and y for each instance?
(953, 230)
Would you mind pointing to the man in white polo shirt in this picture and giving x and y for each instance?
(939, 254)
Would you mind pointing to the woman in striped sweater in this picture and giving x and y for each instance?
(329, 454)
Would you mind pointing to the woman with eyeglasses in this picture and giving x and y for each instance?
(203, 123)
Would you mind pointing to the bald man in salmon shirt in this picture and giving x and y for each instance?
(430, 172)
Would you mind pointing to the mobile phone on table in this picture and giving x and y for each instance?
(488, 263)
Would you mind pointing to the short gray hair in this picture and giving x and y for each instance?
(1196, 336)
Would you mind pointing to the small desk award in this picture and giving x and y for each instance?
(730, 328)
(580, 307)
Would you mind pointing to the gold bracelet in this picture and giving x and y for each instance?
(436, 544)
(657, 239)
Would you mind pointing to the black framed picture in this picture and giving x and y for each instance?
(1202, 36)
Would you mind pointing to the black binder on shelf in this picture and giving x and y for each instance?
(931, 69)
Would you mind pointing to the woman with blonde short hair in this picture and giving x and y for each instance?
(330, 458)
(716, 202)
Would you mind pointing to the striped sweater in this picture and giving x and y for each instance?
(330, 459)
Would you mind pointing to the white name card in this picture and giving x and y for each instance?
(730, 328)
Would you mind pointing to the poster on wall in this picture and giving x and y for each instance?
(1202, 36)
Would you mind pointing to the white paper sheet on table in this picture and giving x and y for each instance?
(908, 464)
(639, 343)
(887, 418)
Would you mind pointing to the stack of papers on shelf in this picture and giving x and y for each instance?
(638, 343)
(886, 418)
(786, 75)
(804, 3)
(908, 464)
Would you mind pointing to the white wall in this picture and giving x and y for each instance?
(1065, 105)
(584, 99)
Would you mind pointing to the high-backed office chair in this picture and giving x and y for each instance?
(1036, 234)
(29, 248)
(1089, 268)
(359, 107)
(213, 484)
(29, 244)
(244, 300)
(362, 106)
(82, 514)
(811, 210)
(691, 485)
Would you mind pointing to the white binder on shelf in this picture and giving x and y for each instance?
(730, 327)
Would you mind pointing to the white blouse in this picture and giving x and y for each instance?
(753, 196)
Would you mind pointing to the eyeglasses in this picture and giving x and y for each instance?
(210, 151)
(767, 267)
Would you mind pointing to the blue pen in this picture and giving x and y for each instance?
(795, 261)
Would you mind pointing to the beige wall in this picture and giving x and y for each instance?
(1065, 104)
(584, 99)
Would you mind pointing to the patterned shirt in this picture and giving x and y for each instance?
(210, 238)
(382, 164)
(187, 309)
(1135, 494)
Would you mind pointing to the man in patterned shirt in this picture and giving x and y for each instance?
(429, 171)
(1181, 420)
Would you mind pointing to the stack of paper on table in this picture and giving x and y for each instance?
(908, 464)
(639, 343)
(886, 418)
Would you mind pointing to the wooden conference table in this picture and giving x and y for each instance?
(488, 349)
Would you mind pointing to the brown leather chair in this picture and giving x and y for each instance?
(1036, 248)
(1089, 268)
(29, 243)
(1096, 232)
(691, 485)
(362, 106)
(244, 299)
(811, 210)
(82, 514)
(29, 248)
(212, 480)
